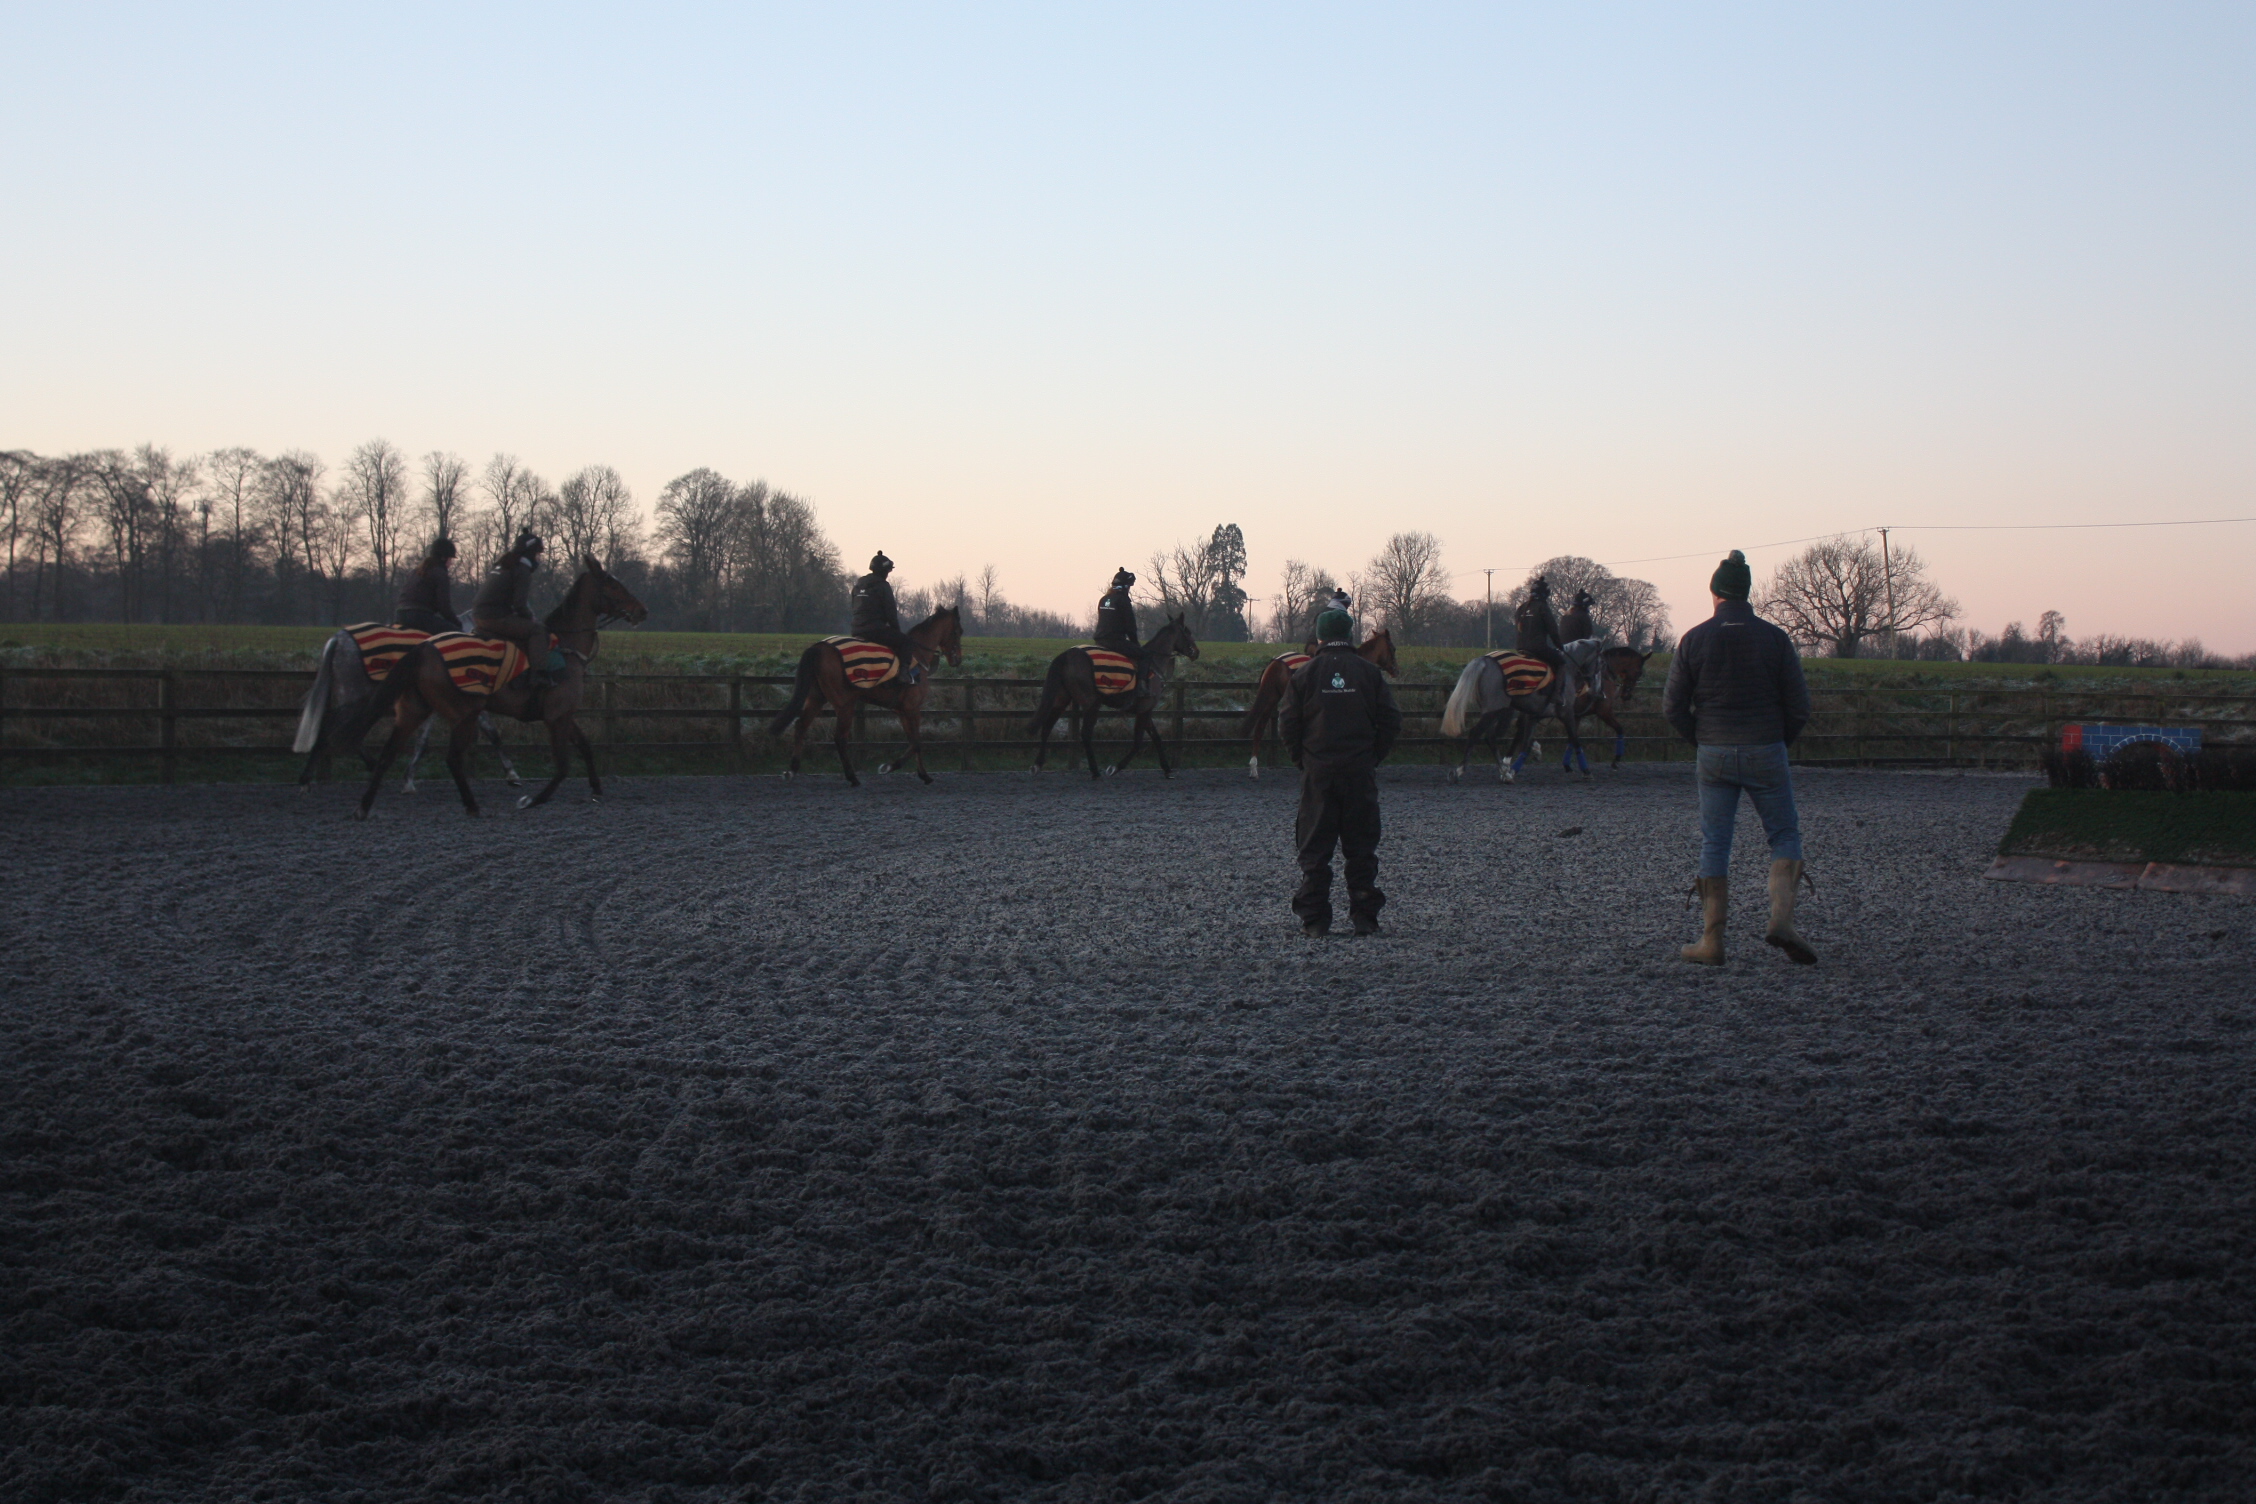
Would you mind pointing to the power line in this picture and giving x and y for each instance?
(1926, 527)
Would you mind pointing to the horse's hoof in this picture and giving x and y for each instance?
(789, 774)
(361, 813)
(595, 798)
(1111, 769)
(526, 802)
(1456, 775)
(515, 782)
(885, 767)
(927, 777)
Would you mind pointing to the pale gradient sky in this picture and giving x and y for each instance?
(1053, 286)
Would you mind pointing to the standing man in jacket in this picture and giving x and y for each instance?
(1736, 692)
(1338, 721)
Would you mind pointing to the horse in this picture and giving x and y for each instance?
(1072, 682)
(420, 686)
(342, 686)
(1619, 671)
(821, 680)
(1483, 698)
(1378, 648)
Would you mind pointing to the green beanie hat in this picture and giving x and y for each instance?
(1334, 626)
(1732, 579)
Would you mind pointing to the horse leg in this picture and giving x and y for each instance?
(845, 715)
(462, 736)
(422, 740)
(493, 735)
(1159, 748)
(799, 731)
(559, 748)
(587, 755)
(1085, 718)
(408, 714)
(1139, 716)
(912, 726)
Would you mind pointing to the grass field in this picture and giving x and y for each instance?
(2131, 826)
(115, 644)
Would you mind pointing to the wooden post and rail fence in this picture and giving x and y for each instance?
(185, 718)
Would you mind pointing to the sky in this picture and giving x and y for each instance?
(1052, 287)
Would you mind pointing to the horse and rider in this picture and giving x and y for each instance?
(841, 673)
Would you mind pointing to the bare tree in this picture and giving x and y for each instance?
(19, 484)
(1199, 581)
(1835, 593)
(1621, 610)
(336, 543)
(594, 513)
(697, 525)
(446, 479)
(517, 500)
(290, 499)
(987, 596)
(1404, 585)
(373, 492)
(231, 495)
(1301, 590)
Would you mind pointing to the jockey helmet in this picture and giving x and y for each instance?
(879, 564)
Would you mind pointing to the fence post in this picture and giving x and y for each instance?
(970, 725)
(736, 717)
(168, 736)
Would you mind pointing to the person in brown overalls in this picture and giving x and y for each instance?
(426, 601)
(501, 610)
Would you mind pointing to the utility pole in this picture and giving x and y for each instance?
(1490, 630)
(1888, 573)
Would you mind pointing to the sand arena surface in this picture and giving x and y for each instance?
(1004, 1140)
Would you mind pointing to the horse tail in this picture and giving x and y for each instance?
(1465, 707)
(1053, 694)
(314, 709)
(1266, 694)
(802, 687)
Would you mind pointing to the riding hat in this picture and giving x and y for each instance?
(528, 544)
(1122, 579)
(1732, 579)
(443, 548)
(879, 564)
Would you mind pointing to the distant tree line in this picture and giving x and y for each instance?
(1852, 597)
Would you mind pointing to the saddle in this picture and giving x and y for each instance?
(868, 664)
(1522, 675)
(1115, 672)
(477, 665)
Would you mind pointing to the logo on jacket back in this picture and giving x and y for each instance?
(1339, 681)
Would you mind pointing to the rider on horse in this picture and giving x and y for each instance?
(1116, 624)
(1536, 627)
(877, 617)
(1574, 626)
(501, 610)
(426, 601)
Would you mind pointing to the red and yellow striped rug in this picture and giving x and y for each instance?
(477, 665)
(1522, 675)
(868, 664)
(1116, 672)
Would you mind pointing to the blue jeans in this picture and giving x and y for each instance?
(1761, 771)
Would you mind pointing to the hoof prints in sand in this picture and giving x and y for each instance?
(1004, 1140)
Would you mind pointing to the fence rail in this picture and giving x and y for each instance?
(77, 712)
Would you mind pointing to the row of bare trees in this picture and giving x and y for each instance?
(237, 536)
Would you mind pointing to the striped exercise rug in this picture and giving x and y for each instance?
(1293, 661)
(1522, 675)
(381, 646)
(868, 664)
(1116, 672)
(479, 665)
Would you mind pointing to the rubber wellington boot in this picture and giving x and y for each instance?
(1714, 905)
(1784, 877)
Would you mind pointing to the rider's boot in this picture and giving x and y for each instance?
(1714, 905)
(1784, 877)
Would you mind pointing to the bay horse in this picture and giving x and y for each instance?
(1261, 720)
(342, 687)
(419, 686)
(1072, 684)
(821, 681)
(1483, 699)
(1619, 671)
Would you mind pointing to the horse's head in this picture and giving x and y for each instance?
(1627, 666)
(1176, 638)
(613, 600)
(942, 632)
(1379, 648)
